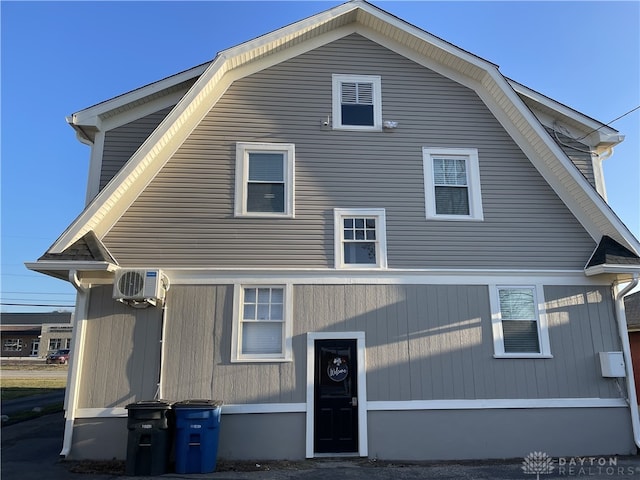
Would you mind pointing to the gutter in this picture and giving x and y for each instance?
(77, 344)
(626, 352)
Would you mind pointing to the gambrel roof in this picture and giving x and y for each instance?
(510, 102)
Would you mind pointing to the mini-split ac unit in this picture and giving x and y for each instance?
(140, 287)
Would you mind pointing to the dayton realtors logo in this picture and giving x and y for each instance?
(539, 463)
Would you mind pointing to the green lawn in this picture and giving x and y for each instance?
(24, 387)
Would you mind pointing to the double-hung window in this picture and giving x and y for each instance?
(519, 322)
(360, 238)
(452, 184)
(262, 323)
(265, 179)
(357, 102)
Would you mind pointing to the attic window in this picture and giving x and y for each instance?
(357, 103)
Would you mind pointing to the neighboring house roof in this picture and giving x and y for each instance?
(503, 97)
(27, 322)
(632, 308)
(20, 329)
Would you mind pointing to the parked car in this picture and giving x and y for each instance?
(59, 356)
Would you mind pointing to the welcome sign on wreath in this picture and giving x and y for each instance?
(338, 369)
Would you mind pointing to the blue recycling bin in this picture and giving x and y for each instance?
(196, 435)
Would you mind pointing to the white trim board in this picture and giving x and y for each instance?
(194, 276)
(247, 409)
(496, 403)
(387, 406)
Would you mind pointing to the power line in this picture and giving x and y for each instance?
(34, 305)
(607, 124)
(39, 293)
(11, 299)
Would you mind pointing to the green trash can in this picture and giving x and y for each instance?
(197, 433)
(149, 439)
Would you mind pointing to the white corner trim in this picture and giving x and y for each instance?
(497, 403)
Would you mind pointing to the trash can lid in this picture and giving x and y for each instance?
(149, 405)
(198, 403)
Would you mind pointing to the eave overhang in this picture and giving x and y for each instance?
(89, 121)
(61, 269)
(591, 132)
(624, 271)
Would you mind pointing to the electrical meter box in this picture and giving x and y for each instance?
(612, 364)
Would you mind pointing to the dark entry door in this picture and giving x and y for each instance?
(336, 396)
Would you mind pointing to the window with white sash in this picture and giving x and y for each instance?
(262, 323)
(264, 179)
(452, 184)
(357, 102)
(360, 238)
(519, 322)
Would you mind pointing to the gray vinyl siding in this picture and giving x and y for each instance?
(423, 342)
(577, 152)
(121, 352)
(198, 353)
(185, 216)
(502, 433)
(122, 142)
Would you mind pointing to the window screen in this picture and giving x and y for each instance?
(519, 322)
(262, 321)
(266, 185)
(450, 183)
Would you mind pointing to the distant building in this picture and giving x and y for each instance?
(34, 334)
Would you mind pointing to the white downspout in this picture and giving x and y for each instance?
(75, 367)
(626, 352)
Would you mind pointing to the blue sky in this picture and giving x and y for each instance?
(61, 57)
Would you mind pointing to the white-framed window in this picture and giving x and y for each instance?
(262, 327)
(265, 174)
(12, 345)
(452, 184)
(357, 102)
(519, 322)
(55, 343)
(360, 238)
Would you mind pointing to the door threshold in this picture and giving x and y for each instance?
(337, 455)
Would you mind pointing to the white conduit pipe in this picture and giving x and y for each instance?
(71, 396)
